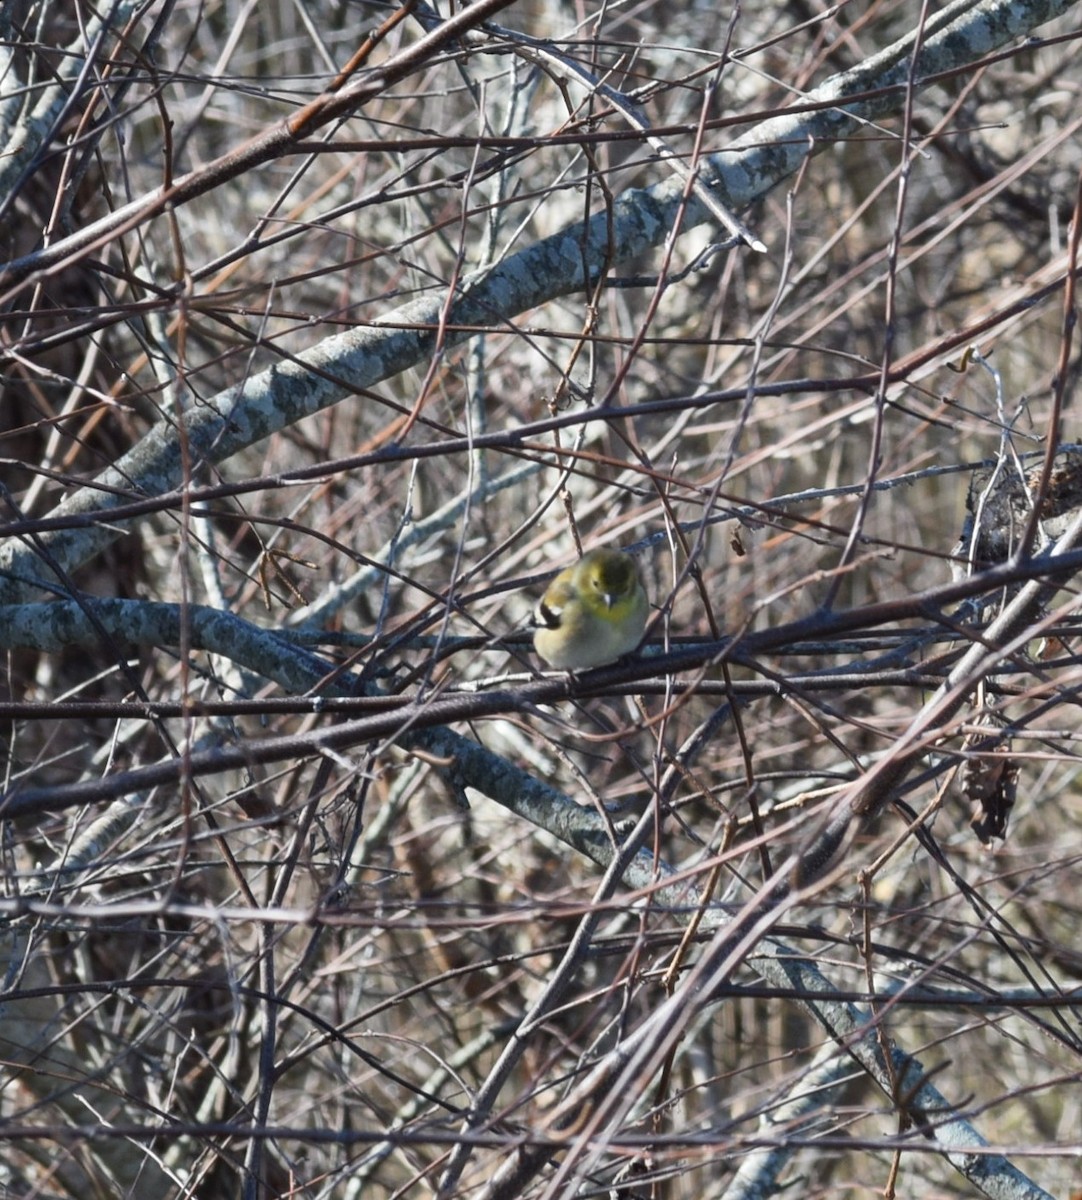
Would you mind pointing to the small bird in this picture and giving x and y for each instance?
(592, 613)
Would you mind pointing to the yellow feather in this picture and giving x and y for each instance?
(593, 613)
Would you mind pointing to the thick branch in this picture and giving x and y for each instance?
(563, 263)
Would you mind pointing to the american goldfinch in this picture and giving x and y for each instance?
(592, 614)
